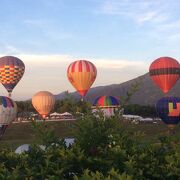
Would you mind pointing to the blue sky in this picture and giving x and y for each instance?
(121, 37)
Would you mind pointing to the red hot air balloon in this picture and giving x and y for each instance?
(165, 71)
(81, 75)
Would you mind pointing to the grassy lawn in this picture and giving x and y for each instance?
(22, 133)
(151, 132)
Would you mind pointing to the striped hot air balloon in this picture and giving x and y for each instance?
(165, 71)
(108, 104)
(43, 102)
(81, 75)
(11, 71)
(168, 109)
(8, 111)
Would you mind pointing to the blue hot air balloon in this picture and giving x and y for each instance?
(168, 109)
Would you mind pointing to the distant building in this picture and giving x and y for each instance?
(138, 119)
(65, 115)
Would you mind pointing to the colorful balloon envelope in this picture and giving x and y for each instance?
(81, 75)
(106, 101)
(107, 104)
(165, 71)
(8, 111)
(43, 102)
(168, 109)
(11, 71)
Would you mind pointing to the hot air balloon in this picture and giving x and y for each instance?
(81, 75)
(43, 102)
(8, 111)
(108, 104)
(168, 109)
(11, 71)
(165, 71)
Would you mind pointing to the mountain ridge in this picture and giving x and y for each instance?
(147, 94)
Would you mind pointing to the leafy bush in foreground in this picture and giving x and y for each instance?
(103, 149)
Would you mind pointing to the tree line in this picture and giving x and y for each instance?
(71, 105)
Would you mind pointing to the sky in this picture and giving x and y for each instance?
(121, 37)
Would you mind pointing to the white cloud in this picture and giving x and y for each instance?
(160, 18)
(9, 49)
(147, 16)
(35, 22)
(169, 31)
(45, 60)
(160, 14)
(117, 64)
(173, 25)
(49, 28)
(139, 11)
(53, 4)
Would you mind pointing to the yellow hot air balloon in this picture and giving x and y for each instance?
(82, 74)
(43, 102)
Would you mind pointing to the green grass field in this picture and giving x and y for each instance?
(22, 133)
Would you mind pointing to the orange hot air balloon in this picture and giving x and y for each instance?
(43, 102)
(165, 71)
(82, 74)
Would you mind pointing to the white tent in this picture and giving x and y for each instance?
(55, 114)
(22, 148)
(69, 141)
(26, 147)
(146, 119)
(131, 117)
(66, 114)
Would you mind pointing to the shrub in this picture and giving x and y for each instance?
(103, 149)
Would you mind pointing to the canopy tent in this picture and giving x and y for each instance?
(66, 114)
(55, 114)
(26, 147)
